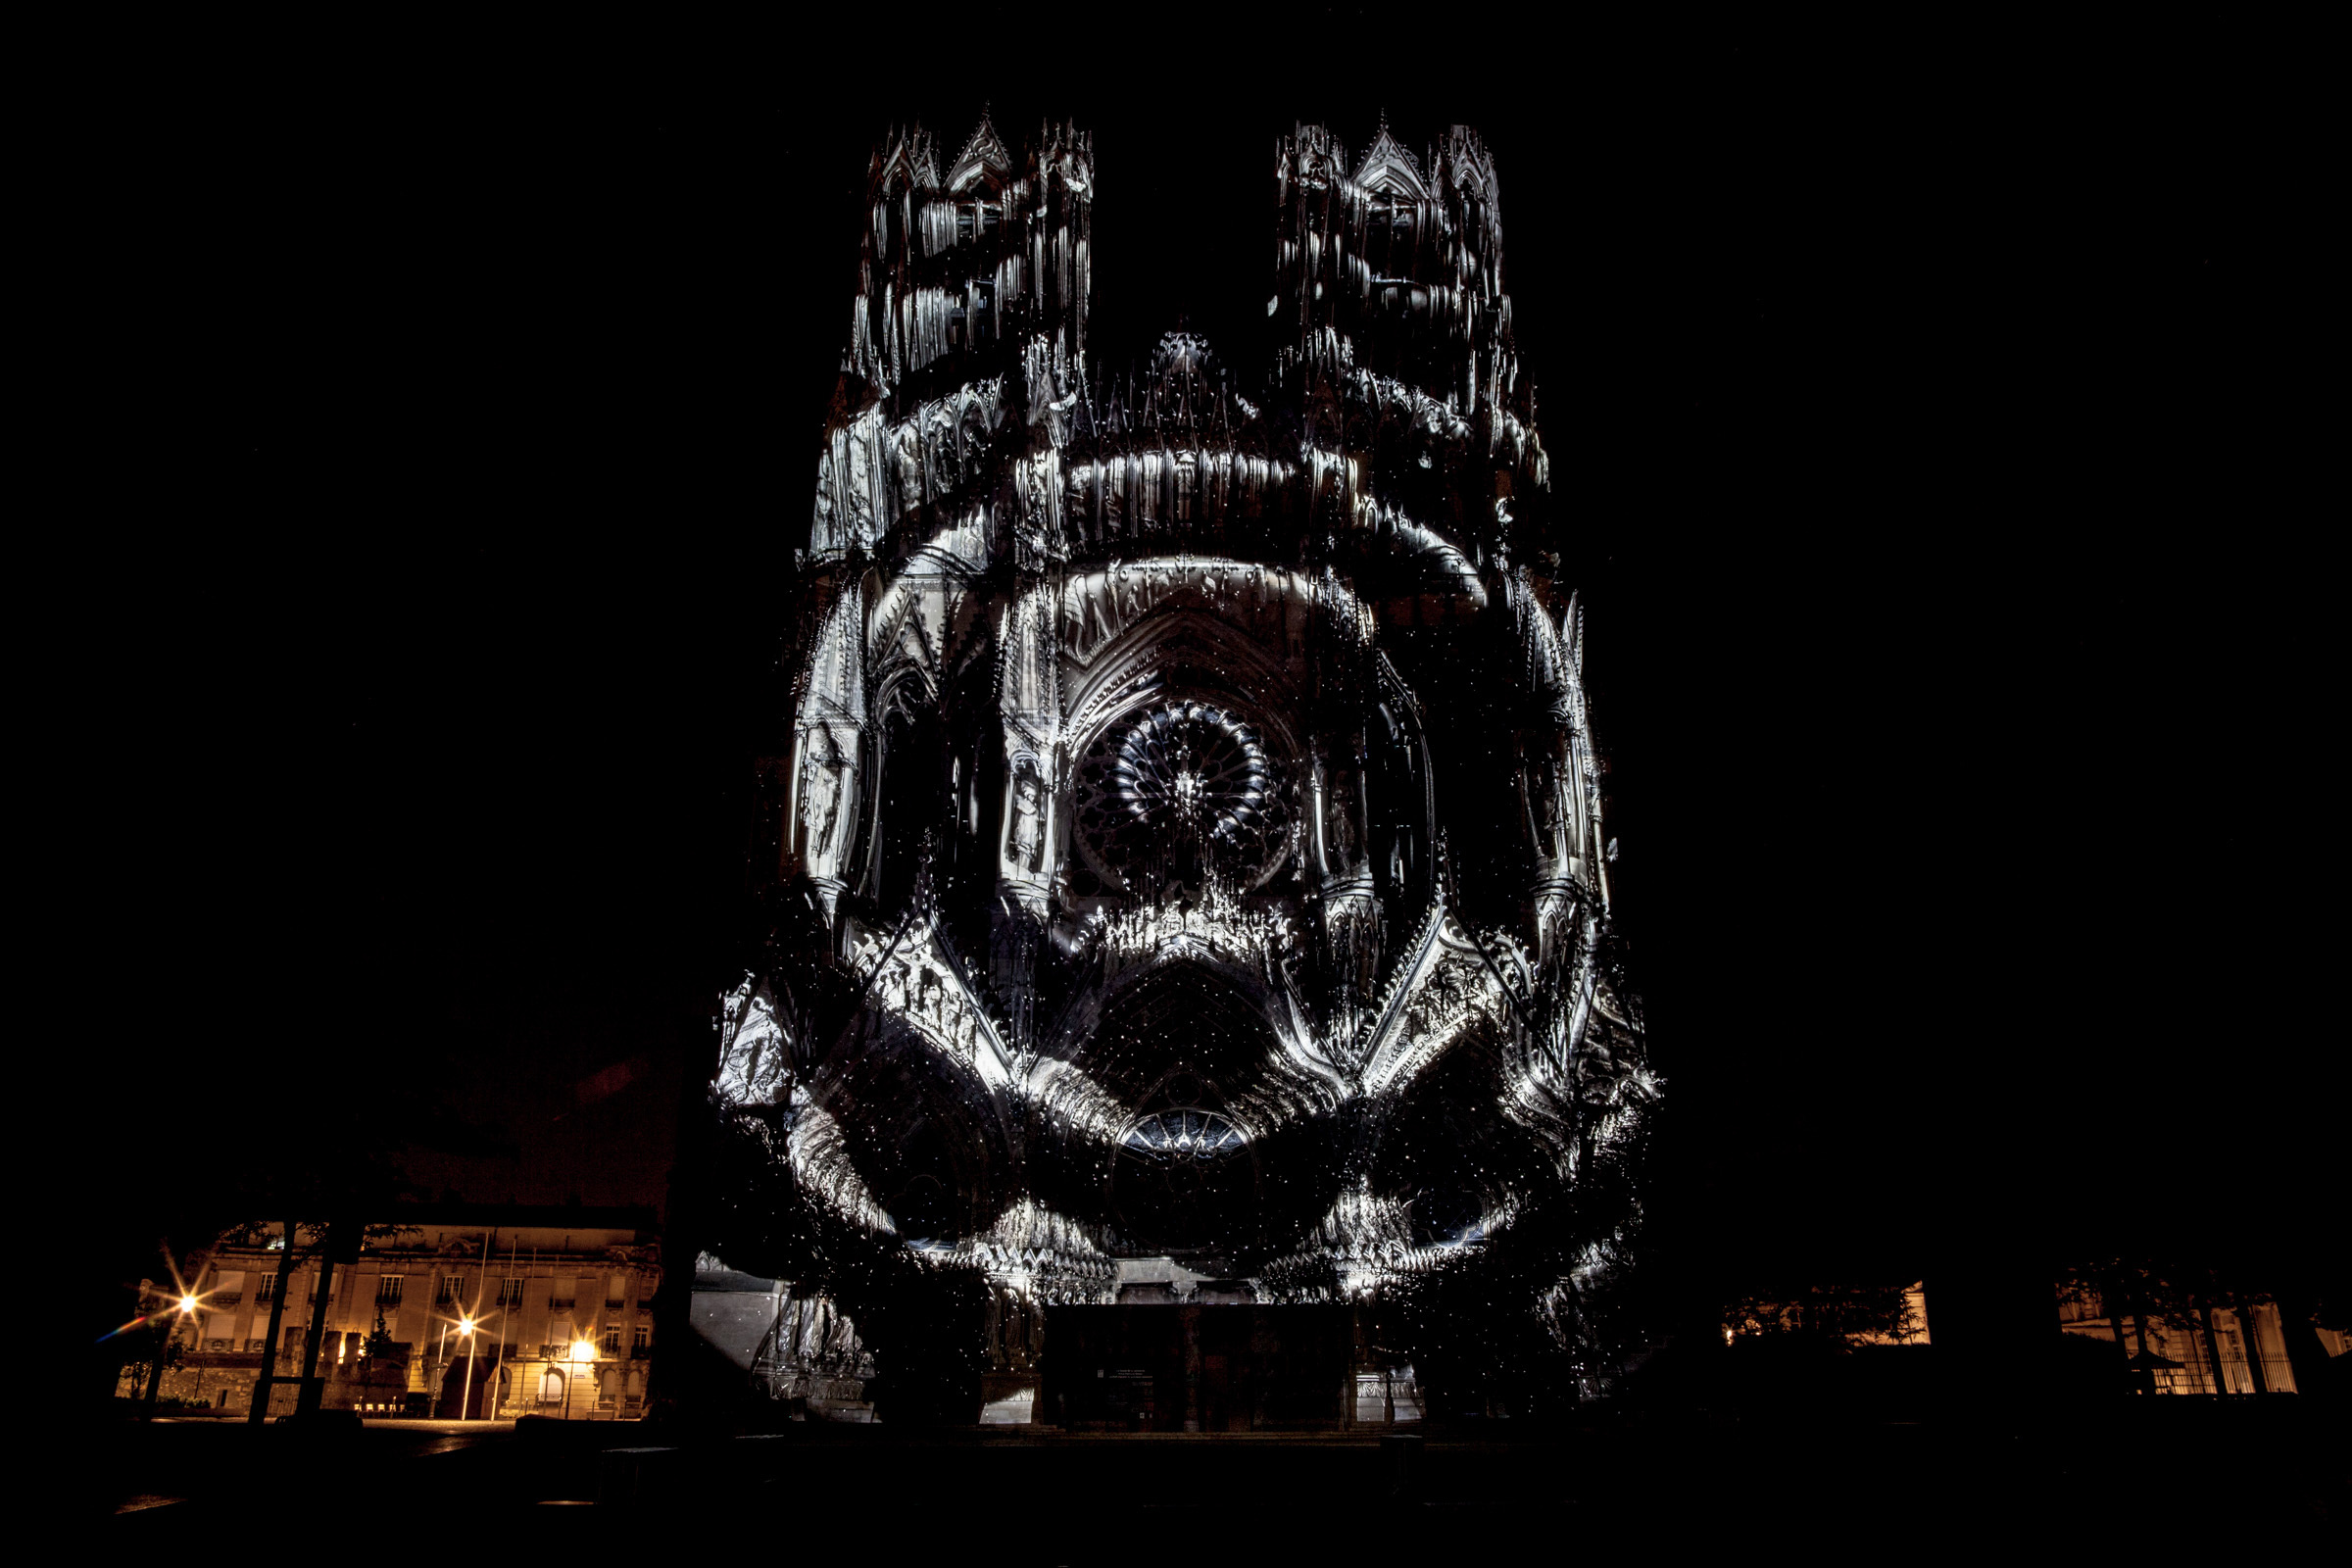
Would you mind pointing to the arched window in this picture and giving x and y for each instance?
(550, 1386)
(977, 219)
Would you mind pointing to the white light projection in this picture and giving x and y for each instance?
(909, 977)
(1189, 773)
(754, 1059)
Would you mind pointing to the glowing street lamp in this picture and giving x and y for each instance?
(186, 1304)
(466, 1392)
(582, 1353)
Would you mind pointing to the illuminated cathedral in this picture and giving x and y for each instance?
(1184, 884)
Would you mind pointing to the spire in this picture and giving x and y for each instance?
(1386, 163)
(904, 156)
(983, 154)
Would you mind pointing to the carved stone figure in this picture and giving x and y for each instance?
(1338, 820)
(1097, 616)
(1028, 822)
(820, 800)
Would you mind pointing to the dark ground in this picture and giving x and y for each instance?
(2154, 1473)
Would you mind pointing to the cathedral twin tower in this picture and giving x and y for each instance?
(1184, 873)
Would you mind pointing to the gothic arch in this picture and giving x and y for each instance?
(915, 1111)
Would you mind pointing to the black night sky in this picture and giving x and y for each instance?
(1927, 430)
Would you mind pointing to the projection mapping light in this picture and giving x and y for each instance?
(1182, 864)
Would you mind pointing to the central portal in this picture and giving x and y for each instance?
(1184, 1368)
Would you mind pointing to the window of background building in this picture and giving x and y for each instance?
(550, 1386)
(612, 1338)
(510, 1292)
(388, 1288)
(645, 1336)
(448, 1292)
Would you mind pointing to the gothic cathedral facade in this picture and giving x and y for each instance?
(1183, 876)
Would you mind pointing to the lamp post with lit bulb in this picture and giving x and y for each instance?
(165, 1337)
(466, 1394)
(582, 1353)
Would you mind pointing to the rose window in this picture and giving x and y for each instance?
(1182, 1135)
(1176, 790)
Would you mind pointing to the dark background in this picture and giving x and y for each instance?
(1925, 410)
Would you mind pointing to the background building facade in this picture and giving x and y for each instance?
(506, 1298)
(2223, 1350)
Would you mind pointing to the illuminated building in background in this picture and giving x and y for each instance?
(2227, 1350)
(531, 1283)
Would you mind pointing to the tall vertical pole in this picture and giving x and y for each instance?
(473, 1335)
(498, 1361)
(307, 1401)
(2250, 1333)
(2213, 1349)
(277, 1315)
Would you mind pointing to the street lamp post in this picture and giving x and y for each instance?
(164, 1339)
(466, 1394)
(582, 1354)
(474, 1343)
